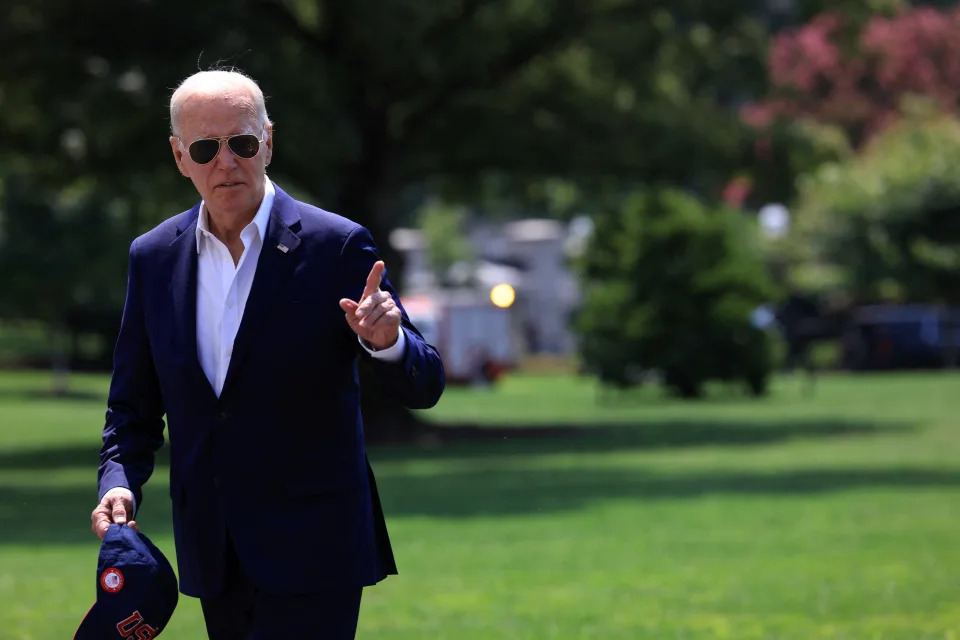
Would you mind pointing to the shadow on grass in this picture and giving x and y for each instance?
(38, 516)
(478, 442)
(53, 458)
(526, 491)
(49, 395)
(60, 515)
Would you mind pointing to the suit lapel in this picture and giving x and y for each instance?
(278, 255)
(183, 291)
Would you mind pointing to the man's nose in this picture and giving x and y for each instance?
(225, 157)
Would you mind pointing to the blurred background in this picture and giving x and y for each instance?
(693, 268)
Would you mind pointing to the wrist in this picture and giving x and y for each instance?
(379, 347)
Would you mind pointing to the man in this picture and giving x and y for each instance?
(244, 321)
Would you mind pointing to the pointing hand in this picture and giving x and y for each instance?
(375, 317)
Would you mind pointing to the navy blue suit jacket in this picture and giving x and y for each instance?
(278, 459)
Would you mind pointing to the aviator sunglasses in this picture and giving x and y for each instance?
(244, 145)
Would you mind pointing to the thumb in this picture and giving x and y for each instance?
(348, 305)
(119, 512)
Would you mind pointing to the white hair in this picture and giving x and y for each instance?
(212, 82)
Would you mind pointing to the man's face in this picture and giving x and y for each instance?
(228, 184)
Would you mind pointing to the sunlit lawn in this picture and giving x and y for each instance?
(834, 514)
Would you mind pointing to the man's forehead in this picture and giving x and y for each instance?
(217, 115)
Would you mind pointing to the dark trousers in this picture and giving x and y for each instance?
(243, 612)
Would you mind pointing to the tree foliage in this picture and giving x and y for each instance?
(839, 78)
(885, 225)
(444, 234)
(670, 286)
(854, 72)
(378, 104)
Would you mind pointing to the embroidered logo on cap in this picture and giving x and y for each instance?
(134, 628)
(111, 580)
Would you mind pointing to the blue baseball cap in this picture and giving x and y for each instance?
(136, 589)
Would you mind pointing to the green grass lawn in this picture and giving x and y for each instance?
(833, 515)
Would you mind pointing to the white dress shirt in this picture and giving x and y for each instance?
(223, 288)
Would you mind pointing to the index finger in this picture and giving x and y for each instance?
(373, 280)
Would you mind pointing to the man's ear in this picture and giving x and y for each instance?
(269, 145)
(178, 155)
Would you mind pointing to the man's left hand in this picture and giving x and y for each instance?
(375, 317)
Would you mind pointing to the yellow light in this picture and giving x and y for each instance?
(502, 295)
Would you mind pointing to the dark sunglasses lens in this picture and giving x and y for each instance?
(245, 146)
(203, 151)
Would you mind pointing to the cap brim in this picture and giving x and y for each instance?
(93, 626)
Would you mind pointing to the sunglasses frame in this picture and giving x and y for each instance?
(219, 142)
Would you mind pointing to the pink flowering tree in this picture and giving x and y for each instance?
(838, 81)
(834, 73)
(877, 223)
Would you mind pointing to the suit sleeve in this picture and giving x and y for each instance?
(133, 430)
(416, 380)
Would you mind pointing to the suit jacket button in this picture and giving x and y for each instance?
(414, 372)
(222, 415)
(216, 481)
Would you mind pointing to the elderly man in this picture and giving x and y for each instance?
(244, 321)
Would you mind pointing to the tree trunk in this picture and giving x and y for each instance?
(366, 198)
(59, 360)
(683, 384)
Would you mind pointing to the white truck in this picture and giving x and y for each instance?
(475, 339)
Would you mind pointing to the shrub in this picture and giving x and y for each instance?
(669, 286)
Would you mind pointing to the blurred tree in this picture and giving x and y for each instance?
(841, 78)
(884, 226)
(853, 70)
(374, 99)
(379, 103)
(671, 285)
(55, 273)
(443, 231)
(857, 11)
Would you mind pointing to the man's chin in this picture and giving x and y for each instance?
(230, 195)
